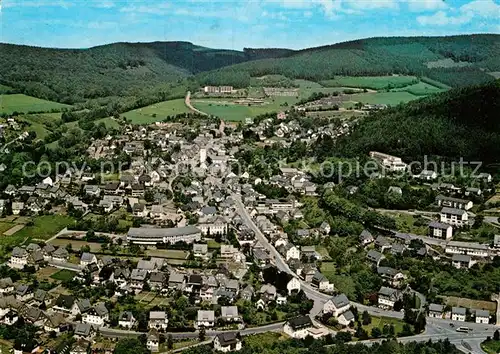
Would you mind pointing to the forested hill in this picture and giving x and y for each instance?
(458, 123)
(456, 60)
(72, 75)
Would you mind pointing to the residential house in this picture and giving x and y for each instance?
(247, 293)
(126, 319)
(461, 261)
(80, 347)
(293, 286)
(137, 278)
(230, 313)
(228, 251)
(454, 203)
(176, 281)
(268, 292)
(391, 275)
(387, 297)
(60, 255)
(440, 230)
(482, 316)
(337, 305)
(458, 314)
(18, 258)
(468, 248)
(456, 217)
(365, 238)
(436, 310)
(205, 319)
(82, 330)
(17, 207)
(290, 251)
(157, 281)
(6, 286)
(97, 315)
(24, 293)
(200, 250)
(298, 327)
(87, 258)
(227, 342)
(153, 340)
(158, 320)
(322, 282)
(66, 304)
(383, 243)
(374, 256)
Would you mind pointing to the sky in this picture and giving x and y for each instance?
(232, 24)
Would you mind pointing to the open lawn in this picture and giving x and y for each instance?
(406, 223)
(109, 122)
(388, 98)
(491, 347)
(4, 226)
(380, 322)
(156, 112)
(172, 254)
(22, 103)
(63, 275)
(371, 82)
(469, 303)
(420, 89)
(263, 339)
(46, 273)
(46, 226)
(228, 110)
(94, 247)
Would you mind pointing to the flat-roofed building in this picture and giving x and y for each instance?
(153, 235)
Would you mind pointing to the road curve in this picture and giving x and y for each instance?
(187, 101)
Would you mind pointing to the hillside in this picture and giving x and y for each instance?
(456, 60)
(123, 69)
(458, 123)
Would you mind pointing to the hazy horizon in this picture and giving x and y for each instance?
(292, 24)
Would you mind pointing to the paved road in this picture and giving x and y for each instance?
(120, 333)
(313, 294)
(436, 328)
(190, 106)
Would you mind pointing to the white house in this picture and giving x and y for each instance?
(454, 203)
(387, 297)
(337, 305)
(153, 340)
(205, 319)
(19, 258)
(227, 342)
(440, 230)
(436, 310)
(456, 217)
(458, 314)
(87, 258)
(482, 316)
(97, 315)
(158, 320)
(468, 248)
(293, 285)
(298, 327)
(461, 261)
(126, 320)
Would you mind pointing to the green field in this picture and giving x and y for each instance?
(420, 89)
(63, 275)
(389, 98)
(109, 122)
(156, 112)
(227, 110)
(44, 227)
(371, 82)
(24, 104)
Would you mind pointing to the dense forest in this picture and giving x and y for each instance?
(120, 69)
(458, 123)
(136, 69)
(421, 56)
(336, 347)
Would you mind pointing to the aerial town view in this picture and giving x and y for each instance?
(326, 183)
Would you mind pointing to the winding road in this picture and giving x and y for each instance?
(187, 101)
(436, 329)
